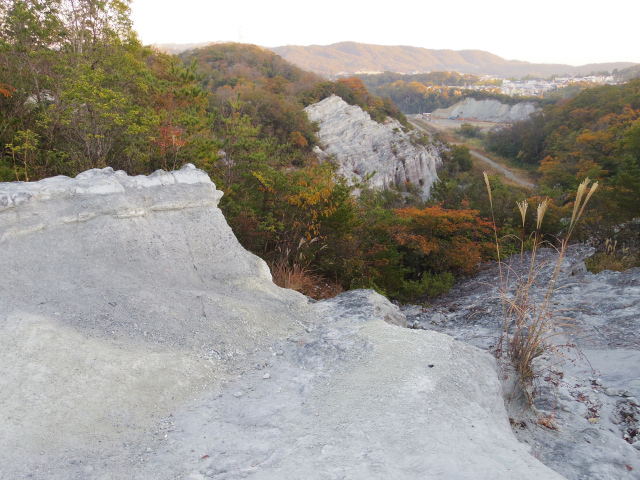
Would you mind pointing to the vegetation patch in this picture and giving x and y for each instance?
(530, 324)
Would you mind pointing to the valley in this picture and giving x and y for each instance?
(448, 126)
(227, 261)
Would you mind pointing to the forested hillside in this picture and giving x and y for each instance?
(596, 134)
(630, 73)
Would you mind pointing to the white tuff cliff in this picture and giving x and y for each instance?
(381, 155)
(487, 111)
(138, 339)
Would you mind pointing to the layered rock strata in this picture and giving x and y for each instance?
(367, 152)
(138, 339)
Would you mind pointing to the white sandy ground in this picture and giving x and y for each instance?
(138, 340)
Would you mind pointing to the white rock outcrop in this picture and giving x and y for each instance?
(487, 111)
(138, 339)
(381, 155)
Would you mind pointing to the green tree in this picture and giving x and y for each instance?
(459, 159)
(79, 76)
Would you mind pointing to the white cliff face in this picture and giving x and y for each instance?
(138, 339)
(488, 111)
(381, 155)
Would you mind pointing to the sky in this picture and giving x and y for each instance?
(540, 31)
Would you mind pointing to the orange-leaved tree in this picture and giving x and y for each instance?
(441, 240)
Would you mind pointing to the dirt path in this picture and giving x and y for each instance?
(505, 171)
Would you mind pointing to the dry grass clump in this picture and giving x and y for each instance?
(529, 325)
(613, 259)
(300, 279)
(616, 263)
(548, 421)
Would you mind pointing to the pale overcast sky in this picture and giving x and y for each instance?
(575, 32)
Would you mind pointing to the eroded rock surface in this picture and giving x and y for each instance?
(488, 111)
(381, 155)
(139, 340)
(592, 401)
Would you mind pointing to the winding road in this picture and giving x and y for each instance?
(506, 172)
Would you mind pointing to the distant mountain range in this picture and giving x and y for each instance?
(352, 57)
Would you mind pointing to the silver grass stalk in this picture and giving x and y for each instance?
(594, 187)
(576, 205)
(542, 208)
(486, 180)
(522, 206)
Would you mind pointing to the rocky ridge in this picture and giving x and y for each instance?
(138, 339)
(487, 111)
(379, 155)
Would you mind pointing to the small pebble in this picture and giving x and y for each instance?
(593, 420)
(237, 394)
(636, 445)
(279, 352)
(611, 392)
(266, 375)
(598, 382)
(633, 401)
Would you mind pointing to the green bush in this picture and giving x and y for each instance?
(430, 285)
(469, 131)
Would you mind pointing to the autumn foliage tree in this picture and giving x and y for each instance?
(443, 240)
(417, 251)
